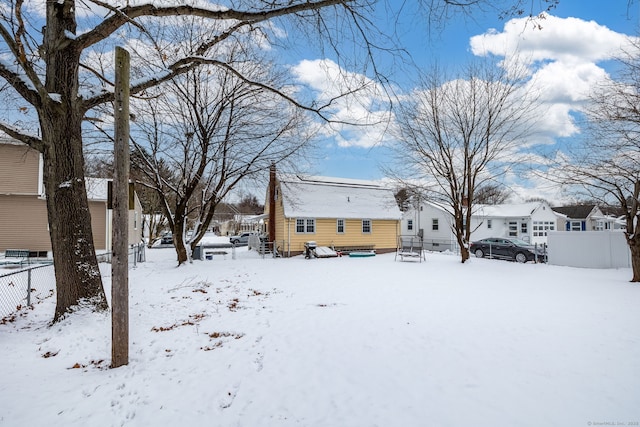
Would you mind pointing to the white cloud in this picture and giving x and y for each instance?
(568, 40)
(564, 58)
(358, 108)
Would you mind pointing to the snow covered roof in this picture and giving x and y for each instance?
(507, 210)
(326, 197)
(96, 188)
(5, 139)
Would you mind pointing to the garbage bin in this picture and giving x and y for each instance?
(310, 249)
(197, 253)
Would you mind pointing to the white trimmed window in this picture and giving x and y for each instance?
(540, 228)
(305, 225)
(434, 224)
(340, 226)
(409, 225)
(366, 226)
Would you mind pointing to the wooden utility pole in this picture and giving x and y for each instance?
(120, 243)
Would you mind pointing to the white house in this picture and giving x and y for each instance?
(431, 221)
(587, 218)
(527, 221)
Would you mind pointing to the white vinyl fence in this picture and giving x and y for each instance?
(590, 249)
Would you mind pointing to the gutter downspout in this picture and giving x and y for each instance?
(272, 203)
(289, 237)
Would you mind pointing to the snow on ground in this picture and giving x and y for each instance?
(336, 342)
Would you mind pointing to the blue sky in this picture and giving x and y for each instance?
(570, 53)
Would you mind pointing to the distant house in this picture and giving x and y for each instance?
(334, 212)
(527, 221)
(530, 221)
(23, 211)
(242, 223)
(433, 222)
(586, 218)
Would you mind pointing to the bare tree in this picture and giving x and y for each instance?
(490, 194)
(458, 134)
(605, 166)
(54, 78)
(213, 130)
(249, 204)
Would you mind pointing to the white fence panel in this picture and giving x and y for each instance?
(590, 249)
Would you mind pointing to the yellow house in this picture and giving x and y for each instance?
(334, 212)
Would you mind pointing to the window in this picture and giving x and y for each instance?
(366, 226)
(540, 228)
(602, 225)
(524, 228)
(513, 228)
(409, 225)
(434, 224)
(311, 225)
(135, 220)
(489, 224)
(305, 225)
(340, 226)
(576, 226)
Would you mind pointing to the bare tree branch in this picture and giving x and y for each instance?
(30, 94)
(30, 140)
(128, 13)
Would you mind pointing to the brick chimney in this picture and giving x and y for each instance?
(272, 202)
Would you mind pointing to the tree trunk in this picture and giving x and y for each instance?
(464, 252)
(634, 246)
(178, 237)
(460, 238)
(78, 279)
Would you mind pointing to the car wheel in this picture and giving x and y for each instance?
(520, 257)
(479, 253)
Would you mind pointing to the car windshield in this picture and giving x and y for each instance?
(519, 242)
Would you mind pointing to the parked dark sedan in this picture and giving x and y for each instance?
(508, 248)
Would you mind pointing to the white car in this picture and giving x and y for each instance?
(241, 239)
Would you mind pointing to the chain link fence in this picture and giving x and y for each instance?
(23, 288)
(136, 254)
(26, 286)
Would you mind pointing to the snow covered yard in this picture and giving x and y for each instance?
(337, 342)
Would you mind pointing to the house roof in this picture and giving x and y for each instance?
(507, 210)
(614, 211)
(326, 197)
(97, 189)
(575, 211)
(5, 139)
